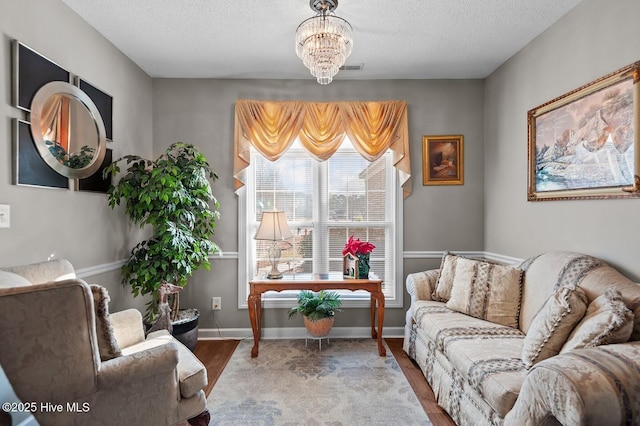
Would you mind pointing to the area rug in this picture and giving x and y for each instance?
(289, 383)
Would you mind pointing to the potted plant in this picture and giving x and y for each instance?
(318, 310)
(360, 250)
(173, 195)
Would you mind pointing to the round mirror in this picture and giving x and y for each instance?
(68, 130)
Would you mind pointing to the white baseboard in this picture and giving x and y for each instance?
(292, 333)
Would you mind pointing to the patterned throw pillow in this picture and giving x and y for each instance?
(107, 343)
(442, 292)
(608, 320)
(552, 324)
(487, 291)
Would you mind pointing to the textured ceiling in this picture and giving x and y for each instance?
(399, 39)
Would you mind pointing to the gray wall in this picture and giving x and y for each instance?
(435, 218)
(78, 226)
(594, 39)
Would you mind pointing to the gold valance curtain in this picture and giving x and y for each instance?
(272, 126)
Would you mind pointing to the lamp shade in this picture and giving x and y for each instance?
(273, 226)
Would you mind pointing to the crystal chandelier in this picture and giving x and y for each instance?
(324, 42)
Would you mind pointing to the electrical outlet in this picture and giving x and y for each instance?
(5, 216)
(216, 303)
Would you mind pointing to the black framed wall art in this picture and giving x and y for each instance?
(30, 169)
(31, 72)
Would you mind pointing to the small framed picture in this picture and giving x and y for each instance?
(442, 160)
(349, 266)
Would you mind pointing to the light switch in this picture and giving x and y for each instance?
(5, 216)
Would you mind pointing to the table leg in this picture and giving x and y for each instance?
(255, 316)
(379, 298)
(374, 335)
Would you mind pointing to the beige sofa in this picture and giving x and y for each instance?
(561, 345)
(76, 364)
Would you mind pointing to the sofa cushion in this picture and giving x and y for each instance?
(607, 321)
(107, 344)
(9, 279)
(553, 324)
(487, 291)
(442, 292)
(546, 273)
(598, 280)
(496, 374)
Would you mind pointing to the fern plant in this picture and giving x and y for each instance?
(316, 306)
(173, 195)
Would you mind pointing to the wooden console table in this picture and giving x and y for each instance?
(315, 282)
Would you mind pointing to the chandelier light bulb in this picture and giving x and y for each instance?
(324, 42)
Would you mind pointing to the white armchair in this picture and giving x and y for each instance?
(55, 352)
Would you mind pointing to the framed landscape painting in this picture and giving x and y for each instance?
(584, 144)
(442, 160)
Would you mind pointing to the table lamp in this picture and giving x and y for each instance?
(273, 227)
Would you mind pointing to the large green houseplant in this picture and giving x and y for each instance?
(172, 194)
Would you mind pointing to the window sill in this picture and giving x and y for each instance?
(287, 299)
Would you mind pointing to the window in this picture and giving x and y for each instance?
(325, 203)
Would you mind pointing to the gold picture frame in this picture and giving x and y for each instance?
(443, 160)
(582, 145)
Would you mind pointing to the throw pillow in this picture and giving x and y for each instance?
(487, 291)
(552, 324)
(608, 320)
(442, 292)
(107, 344)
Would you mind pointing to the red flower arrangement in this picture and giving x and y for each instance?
(357, 247)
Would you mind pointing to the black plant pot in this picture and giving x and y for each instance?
(185, 329)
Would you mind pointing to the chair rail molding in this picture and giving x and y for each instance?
(478, 254)
(102, 268)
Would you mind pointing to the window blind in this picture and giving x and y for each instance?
(325, 203)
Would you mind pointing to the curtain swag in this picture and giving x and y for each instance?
(272, 126)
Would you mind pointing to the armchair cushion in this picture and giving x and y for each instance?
(607, 321)
(128, 327)
(107, 344)
(192, 375)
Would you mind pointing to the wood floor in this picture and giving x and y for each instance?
(215, 354)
